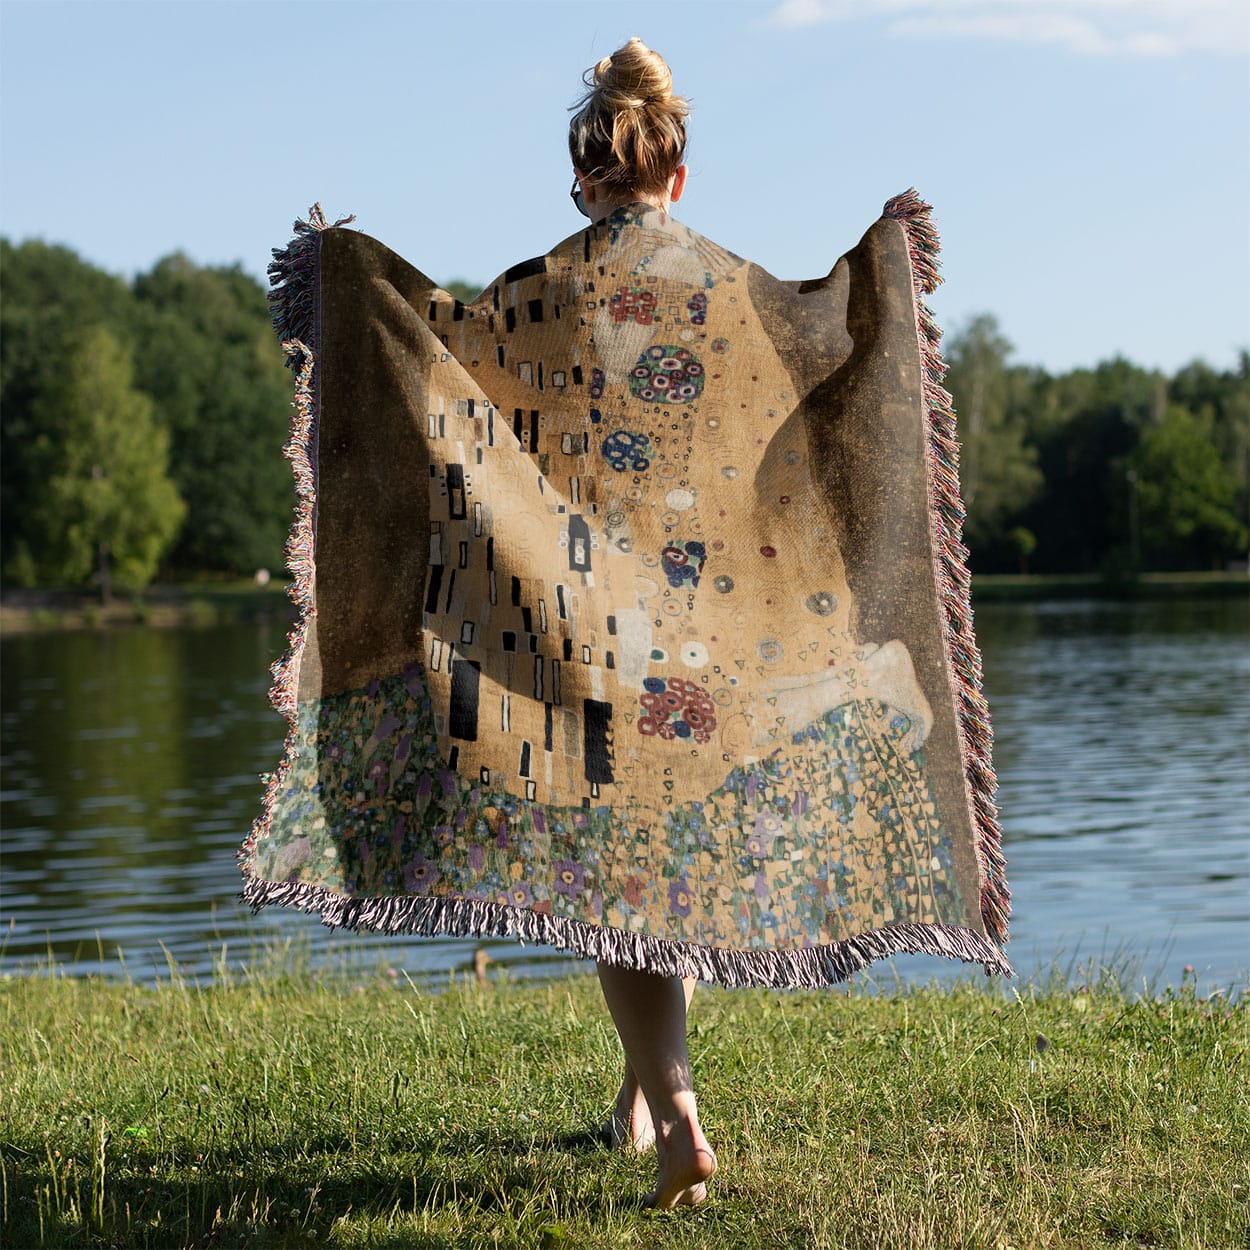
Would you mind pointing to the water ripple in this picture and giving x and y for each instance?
(132, 759)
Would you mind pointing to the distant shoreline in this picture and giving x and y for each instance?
(187, 604)
(202, 604)
(1003, 587)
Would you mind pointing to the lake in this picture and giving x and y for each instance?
(131, 759)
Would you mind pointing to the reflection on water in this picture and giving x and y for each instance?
(131, 759)
(1123, 734)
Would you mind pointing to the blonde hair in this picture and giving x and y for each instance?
(629, 133)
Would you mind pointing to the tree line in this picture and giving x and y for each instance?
(142, 422)
(1113, 470)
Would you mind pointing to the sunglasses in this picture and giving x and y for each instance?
(576, 196)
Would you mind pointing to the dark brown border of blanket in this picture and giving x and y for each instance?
(294, 301)
(946, 513)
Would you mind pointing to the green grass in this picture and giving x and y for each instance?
(292, 1110)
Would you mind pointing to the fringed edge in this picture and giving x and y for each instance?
(954, 582)
(806, 968)
(293, 281)
(293, 302)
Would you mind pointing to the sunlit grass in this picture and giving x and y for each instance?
(279, 1108)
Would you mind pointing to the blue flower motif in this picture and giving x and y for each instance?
(679, 897)
(569, 877)
(627, 449)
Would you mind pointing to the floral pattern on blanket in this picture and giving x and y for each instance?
(362, 814)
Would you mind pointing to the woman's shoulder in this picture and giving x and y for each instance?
(639, 240)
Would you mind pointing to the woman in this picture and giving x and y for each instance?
(628, 144)
(678, 674)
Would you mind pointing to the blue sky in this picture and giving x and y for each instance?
(1089, 160)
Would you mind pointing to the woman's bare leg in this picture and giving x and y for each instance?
(629, 1125)
(650, 1015)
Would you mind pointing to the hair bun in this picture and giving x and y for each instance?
(629, 131)
(633, 77)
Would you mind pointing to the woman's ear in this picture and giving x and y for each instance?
(588, 186)
(678, 184)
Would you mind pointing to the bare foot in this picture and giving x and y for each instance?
(629, 1126)
(686, 1165)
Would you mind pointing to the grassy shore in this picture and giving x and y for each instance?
(223, 602)
(166, 606)
(1000, 587)
(287, 1110)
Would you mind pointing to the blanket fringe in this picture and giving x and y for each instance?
(294, 304)
(954, 581)
(294, 297)
(797, 968)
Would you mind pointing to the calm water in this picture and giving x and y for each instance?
(130, 763)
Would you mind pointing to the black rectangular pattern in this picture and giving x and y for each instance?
(455, 492)
(526, 269)
(579, 544)
(432, 587)
(596, 725)
(465, 677)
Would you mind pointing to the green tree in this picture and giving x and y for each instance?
(997, 467)
(208, 358)
(1223, 399)
(465, 292)
(51, 298)
(1185, 495)
(1085, 424)
(105, 505)
(1024, 543)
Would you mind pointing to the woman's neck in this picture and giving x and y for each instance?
(602, 208)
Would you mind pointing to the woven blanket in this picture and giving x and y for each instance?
(634, 615)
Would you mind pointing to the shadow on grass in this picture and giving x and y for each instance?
(278, 1195)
